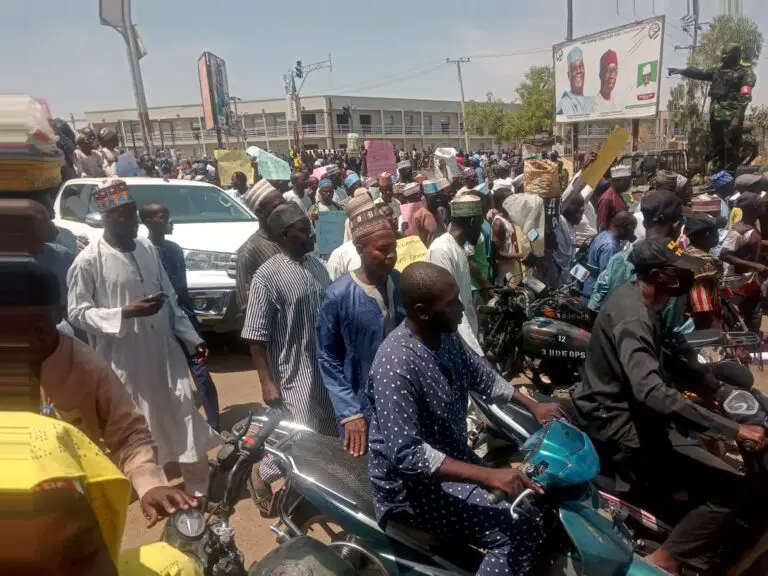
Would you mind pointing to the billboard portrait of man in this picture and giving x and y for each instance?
(573, 101)
(609, 72)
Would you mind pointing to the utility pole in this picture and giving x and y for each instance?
(575, 125)
(459, 62)
(691, 21)
(301, 71)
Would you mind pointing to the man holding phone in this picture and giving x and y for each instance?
(120, 294)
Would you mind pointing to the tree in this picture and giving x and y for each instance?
(758, 117)
(534, 115)
(486, 117)
(687, 100)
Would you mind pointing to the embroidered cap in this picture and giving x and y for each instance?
(111, 193)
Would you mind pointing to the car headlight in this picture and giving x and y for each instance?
(203, 260)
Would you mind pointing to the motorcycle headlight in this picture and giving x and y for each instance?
(203, 260)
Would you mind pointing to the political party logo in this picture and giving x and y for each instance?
(647, 73)
(654, 30)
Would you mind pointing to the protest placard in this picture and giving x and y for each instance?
(609, 151)
(409, 249)
(445, 163)
(270, 166)
(353, 144)
(380, 158)
(329, 231)
(231, 161)
(408, 210)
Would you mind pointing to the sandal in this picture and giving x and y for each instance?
(262, 496)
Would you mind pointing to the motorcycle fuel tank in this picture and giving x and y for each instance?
(546, 338)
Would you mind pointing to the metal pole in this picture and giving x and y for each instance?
(695, 24)
(299, 119)
(569, 36)
(458, 63)
(138, 84)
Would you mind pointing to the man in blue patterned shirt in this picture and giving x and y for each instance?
(422, 469)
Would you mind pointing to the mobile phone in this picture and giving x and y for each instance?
(533, 235)
(580, 273)
(161, 296)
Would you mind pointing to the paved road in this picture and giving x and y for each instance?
(239, 391)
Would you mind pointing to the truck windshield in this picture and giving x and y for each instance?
(191, 204)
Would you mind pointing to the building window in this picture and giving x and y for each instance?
(341, 119)
(409, 119)
(365, 123)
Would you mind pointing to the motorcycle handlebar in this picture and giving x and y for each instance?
(487, 310)
(496, 496)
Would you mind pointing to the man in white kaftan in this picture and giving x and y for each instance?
(107, 282)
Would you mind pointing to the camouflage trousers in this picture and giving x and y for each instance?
(726, 143)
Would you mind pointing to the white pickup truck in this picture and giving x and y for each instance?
(208, 224)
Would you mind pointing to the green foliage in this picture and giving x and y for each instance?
(688, 99)
(537, 101)
(758, 117)
(486, 117)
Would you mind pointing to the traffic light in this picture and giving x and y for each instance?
(299, 70)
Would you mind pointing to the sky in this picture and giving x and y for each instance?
(59, 50)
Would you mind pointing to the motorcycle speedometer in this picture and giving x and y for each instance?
(190, 523)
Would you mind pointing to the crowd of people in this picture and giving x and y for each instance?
(350, 347)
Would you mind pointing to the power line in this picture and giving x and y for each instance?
(427, 70)
(384, 78)
(515, 53)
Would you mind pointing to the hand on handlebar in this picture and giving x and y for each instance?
(751, 435)
(162, 501)
(511, 481)
(548, 411)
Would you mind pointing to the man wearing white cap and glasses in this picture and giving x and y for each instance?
(448, 251)
(611, 202)
(573, 101)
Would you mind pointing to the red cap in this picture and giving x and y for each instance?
(610, 57)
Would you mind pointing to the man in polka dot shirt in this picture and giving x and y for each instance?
(422, 469)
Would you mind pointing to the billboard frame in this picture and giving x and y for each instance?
(208, 95)
(662, 18)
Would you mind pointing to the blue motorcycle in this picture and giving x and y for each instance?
(327, 494)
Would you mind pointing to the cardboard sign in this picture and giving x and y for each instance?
(445, 163)
(329, 231)
(610, 150)
(380, 158)
(409, 250)
(270, 166)
(408, 210)
(353, 143)
(231, 161)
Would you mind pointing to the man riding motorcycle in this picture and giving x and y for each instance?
(422, 469)
(642, 427)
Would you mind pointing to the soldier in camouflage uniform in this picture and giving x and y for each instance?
(731, 93)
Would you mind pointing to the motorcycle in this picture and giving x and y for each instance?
(504, 428)
(210, 542)
(328, 490)
(525, 338)
(545, 336)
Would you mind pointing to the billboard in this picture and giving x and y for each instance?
(609, 75)
(214, 89)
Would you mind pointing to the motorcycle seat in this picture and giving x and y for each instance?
(324, 460)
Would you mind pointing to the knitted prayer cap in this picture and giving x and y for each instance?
(466, 206)
(404, 164)
(255, 195)
(111, 193)
(430, 187)
(411, 190)
(351, 179)
(365, 218)
(332, 171)
(361, 192)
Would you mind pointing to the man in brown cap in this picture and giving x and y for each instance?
(285, 296)
(358, 312)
